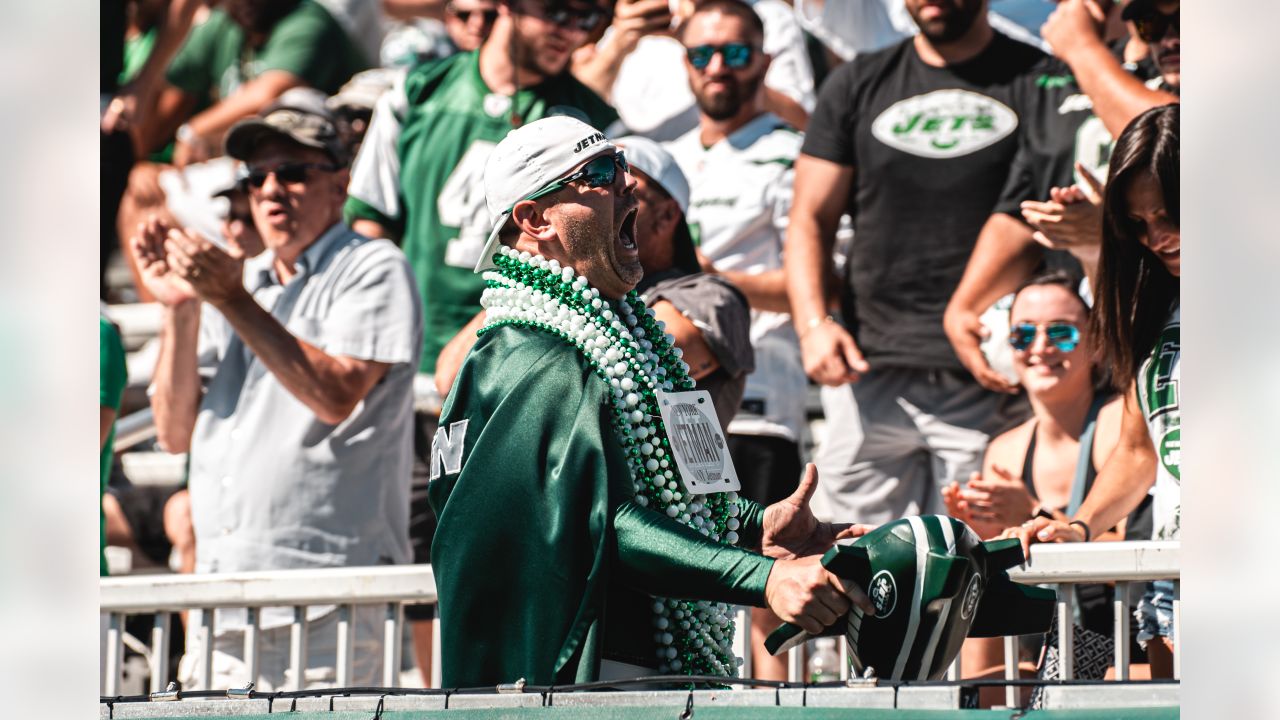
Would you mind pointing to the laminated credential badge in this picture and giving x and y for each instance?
(698, 442)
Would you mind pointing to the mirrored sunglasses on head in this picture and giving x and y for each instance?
(1065, 336)
(736, 55)
(598, 172)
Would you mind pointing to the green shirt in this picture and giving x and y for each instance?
(539, 540)
(111, 381)
(215, 60)
(451, 123)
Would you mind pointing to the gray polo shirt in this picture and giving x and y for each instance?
(272, 486)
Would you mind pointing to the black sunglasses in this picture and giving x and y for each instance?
(489, 16)
(289, 173)
(1153, 26)
(1062, 334)
(736, 55)
(597, 173)
(564, 16)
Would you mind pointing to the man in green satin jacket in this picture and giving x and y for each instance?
(569, 548)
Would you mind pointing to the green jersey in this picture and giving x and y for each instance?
(542, 558)
(421, 170)
(215, 60)
(111, 381)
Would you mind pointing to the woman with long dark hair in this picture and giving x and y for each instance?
(1136, 321)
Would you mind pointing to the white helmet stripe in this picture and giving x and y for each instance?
(921, 538)
(926, 660)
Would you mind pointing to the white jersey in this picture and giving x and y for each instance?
(1158, 379)
(651, 92)
(740, 195)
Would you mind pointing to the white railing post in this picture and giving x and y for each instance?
(795, 664)
(252, 642)
(742, 640)
(115, 653)
(206, 648)
(160, 652)
(391, 645)
(437, 672)
(1066, 631)
(845, 670)
(1120, 608)
(298, 647)
(1011, 696)
(346, 635)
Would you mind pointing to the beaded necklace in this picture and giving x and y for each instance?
(630, 352)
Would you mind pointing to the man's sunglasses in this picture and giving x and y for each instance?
(736, 55)
(1153, 26)
(1063, 335)
(288, 173)
(597, 173)
(464, 16)
(562, 15)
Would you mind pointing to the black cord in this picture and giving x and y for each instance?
(682, 680)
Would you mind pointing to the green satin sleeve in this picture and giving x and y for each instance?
(662, 557)
(751, 516)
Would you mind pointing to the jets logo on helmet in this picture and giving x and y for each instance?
(953, 586)
(884, 593)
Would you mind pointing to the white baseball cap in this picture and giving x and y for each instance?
(653, 160)
(528, 159)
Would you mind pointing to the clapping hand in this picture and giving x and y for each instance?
(1071, 219)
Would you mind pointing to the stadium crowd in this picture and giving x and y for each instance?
(965, 233)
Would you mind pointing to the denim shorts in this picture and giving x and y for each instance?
(1155, 612)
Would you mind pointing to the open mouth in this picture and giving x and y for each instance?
(627, 233)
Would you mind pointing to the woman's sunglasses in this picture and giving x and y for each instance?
(1065, 336)
(736, 55)
(288, 173)
(1153, 26)
(599, 172)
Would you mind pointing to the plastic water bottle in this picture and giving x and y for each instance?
(824, 662)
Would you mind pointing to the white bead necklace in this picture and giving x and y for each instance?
(631, 352)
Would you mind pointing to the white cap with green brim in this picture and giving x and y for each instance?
(527, 161)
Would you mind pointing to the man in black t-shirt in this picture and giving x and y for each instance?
(1095, 90)
(915, 142)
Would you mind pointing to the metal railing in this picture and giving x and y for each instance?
(1127, 564)
(163, 595)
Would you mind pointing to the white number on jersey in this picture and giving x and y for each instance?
(461, 205)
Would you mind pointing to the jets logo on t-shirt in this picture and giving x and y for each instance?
(944, 124)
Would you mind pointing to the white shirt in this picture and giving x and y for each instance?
(651, 92)
(740, 195)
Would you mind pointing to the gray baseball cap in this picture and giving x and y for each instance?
(306, 123)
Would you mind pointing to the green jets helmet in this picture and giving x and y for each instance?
(933, 583)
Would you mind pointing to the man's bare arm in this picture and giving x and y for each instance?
(175, 397)
(1004, 256)
(1074, 31)
(697, 353)
(330, 385)
(831, 357)
(765, 291)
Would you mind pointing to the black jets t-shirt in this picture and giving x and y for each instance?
(931, 149)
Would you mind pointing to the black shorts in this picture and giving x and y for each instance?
(422, 519)
(143, 508)
(768, 467)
